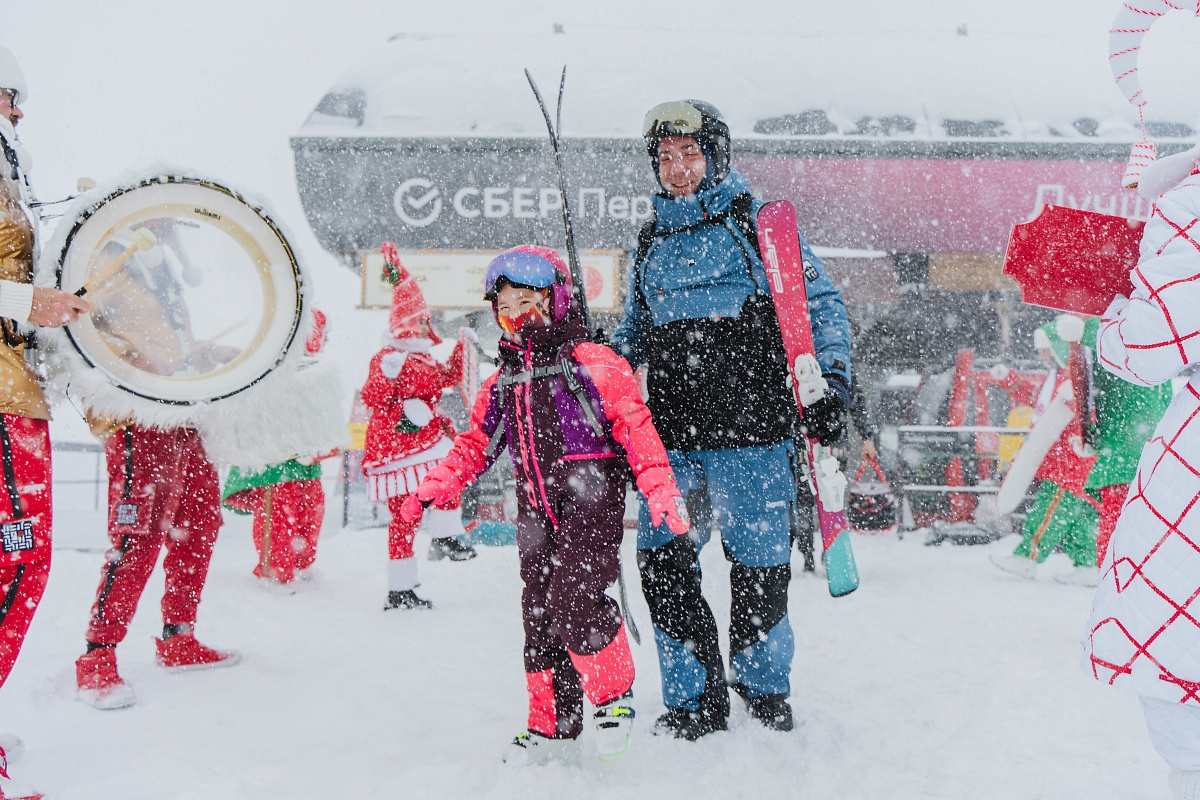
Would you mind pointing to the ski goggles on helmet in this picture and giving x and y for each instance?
(521, 269)
(676, 118)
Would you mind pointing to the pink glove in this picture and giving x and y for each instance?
(441, 487)
(411, 509)
(664, 500)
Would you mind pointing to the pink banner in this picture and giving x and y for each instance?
(917, 205)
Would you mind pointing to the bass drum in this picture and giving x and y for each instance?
(195, 293)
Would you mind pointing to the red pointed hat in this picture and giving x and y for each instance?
(408, 304)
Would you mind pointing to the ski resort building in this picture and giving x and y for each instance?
(909, 155)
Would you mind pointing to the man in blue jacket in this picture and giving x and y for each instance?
(699, 315)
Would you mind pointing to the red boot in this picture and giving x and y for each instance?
(182, 652)
(98, 683)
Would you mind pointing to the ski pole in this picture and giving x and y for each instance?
(579, 289)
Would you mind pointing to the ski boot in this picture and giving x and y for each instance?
(97, 681)
(1080, 576)
(407, 599)
(683, 723)
(613, 725)
(450, 547)
(1015, 565)
(178, 651)
(772, 710)
(534, 749)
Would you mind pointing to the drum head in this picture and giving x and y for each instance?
(195, 294)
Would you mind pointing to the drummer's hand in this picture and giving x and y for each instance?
(869, 449)
(53, 309)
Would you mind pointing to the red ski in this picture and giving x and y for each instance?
(779, 243)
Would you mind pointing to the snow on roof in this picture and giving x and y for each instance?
(943, 69)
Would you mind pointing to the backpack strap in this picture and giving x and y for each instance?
(742, 214)
(576, 387)
(498, 434)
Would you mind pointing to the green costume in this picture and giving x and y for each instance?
(1126, 415)
(1058, 517)
(286, 472)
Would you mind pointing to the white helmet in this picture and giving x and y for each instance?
(11, 76)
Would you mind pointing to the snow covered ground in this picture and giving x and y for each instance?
(940, 677)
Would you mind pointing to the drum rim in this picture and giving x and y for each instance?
(162, 180)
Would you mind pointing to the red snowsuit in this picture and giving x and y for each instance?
(25, 524)
(420, 378)
(287, 524)
(571, 503)
(162, 489)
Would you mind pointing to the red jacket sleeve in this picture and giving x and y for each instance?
(468, 458)
(378, 392)
(632, 426)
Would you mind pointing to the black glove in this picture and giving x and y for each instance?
(825, 420)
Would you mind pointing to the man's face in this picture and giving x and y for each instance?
(8, 109)
(681, 165)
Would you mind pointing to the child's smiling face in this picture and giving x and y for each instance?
(518, 306)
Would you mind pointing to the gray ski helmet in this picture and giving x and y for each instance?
(696, 119)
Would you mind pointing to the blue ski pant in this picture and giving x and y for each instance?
(749, 492)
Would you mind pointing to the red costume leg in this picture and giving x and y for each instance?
(191, 540)
(127, 568)
(25, 523)
(1112, 500)
(22, 586)
(310, 504)
(136, 503)
(402, 564)
(256, 497)
(298, 508)
(401, 532)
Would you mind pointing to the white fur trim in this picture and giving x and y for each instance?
(391, 364)
(292, 412)
(402, 574)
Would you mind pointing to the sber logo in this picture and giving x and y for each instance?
(418, 202)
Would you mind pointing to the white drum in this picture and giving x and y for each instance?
(195, 293)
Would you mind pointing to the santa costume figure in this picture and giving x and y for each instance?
(406, 435)
(1063, 512)
(287, 499)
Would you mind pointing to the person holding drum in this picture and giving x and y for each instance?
(25, 514)
(163, 491)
